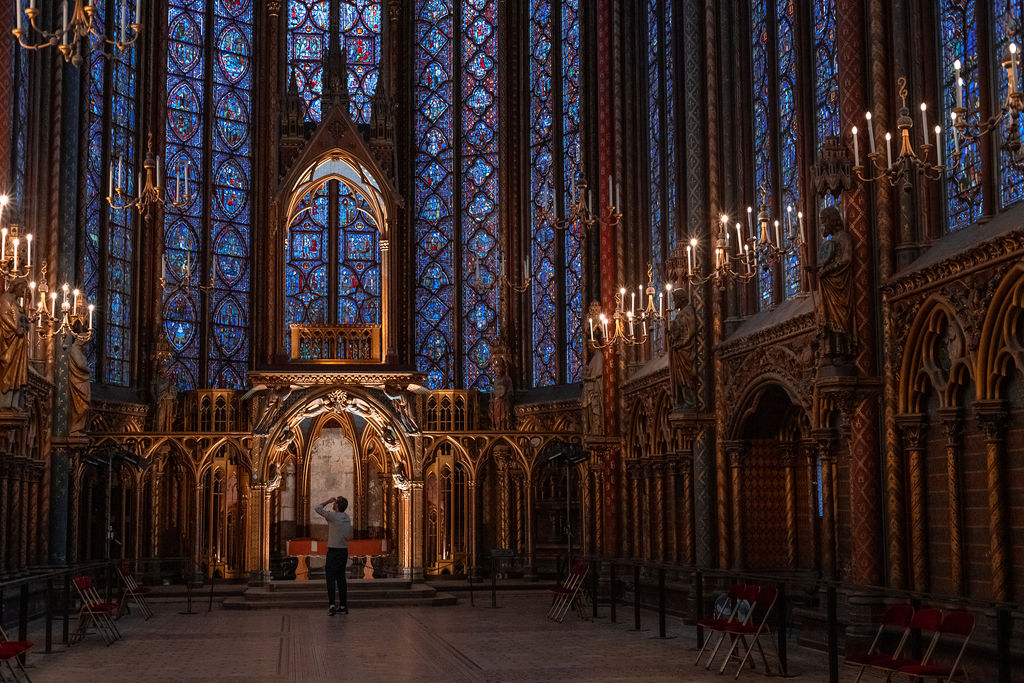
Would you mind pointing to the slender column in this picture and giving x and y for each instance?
(154, 511)
(504, 538)
(531, 550)
(518, 483)
(828, 499)
(809, 461)
(659, 512)
(599, 545)
(74, 513)
(914, 430)
(19, 513)
(993, 418)
(637, 541)
(953, 427)
(648, 512)
(26, 513)
(586, 507)
(672, 513)
(33, 515)
(197, 542)
(6, 512)
(405, 536)
(58, 507)
(474, 523)
(689, 521)
(137, 518)
(789, 469)
(734, 453)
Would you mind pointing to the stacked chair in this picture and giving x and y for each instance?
(94, 612)
(11, 654)
(133, 591)
(569, 593)
(939, 661)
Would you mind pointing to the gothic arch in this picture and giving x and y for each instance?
(1001, 348)
(936, 359)
(750, 400)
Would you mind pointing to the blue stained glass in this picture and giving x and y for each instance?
(434, 191)
(959, 40)
(789, 130)
(573, 302)
(306, 271)
(654, 136)
(671, 151)
(763, 148)
(359, 261)
(1009, 27)
(826, 80)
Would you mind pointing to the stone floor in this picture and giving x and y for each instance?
(514, 642)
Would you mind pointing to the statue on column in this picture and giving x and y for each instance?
(835, 289)
(164, 392)
(79, 386)
(501, 398)
(14, 327)
(592, 397)
(683, 359)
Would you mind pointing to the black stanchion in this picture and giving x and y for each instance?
(783, 627)
(66, 627)
(494, 586)
(594, 583)
(49, 614)
(698, 591)
(611, 588)
(213, 580)
(833, 634)
(188, 598)
(1004, 631)
(636, 597)
(661, 602)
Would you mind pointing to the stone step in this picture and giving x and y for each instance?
(353, 585)
(263, 595)
(356, 603)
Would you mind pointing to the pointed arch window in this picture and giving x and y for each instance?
(456, 191)
(14, 123)
(554, 137)
(207, 242)
(308, 26)
(108, 237)
(662, 156)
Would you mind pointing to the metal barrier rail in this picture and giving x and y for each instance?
(1005, 612)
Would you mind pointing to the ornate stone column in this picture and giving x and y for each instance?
(647, 508)
(6, 511)
(518, 484)
(636, 543)
(671, 512)
(587, 508)
(688, 523)
(992, 418)
(808, 461)
(531, 550)
(914, 431)
(502, 464)
(599, 545)
(953, 428)
(734, 454)
(789, 470)
(658, 510)
(474, 525)
(15, 537)
(826, 455)
(154, 511)
(34, 519)
(197, 542)
(74, 521)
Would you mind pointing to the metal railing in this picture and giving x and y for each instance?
(336, 343)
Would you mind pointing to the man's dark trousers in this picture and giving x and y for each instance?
(337, 558)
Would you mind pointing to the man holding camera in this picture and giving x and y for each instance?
(339, 531)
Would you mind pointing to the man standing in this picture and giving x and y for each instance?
(339, 530)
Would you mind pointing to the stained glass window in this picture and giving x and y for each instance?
(1009, 15)
(555, 257)
(333, 269)
(959, 41)
(308, 28)
(789, 128)
(108, 252)
(19, 125)
(826, 79)
(763, 151)
(200, 252)
(456, 191)
(661, 131)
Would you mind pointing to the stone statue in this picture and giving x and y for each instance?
(683, 361)
(835, 289)
(592, 397)
(501, 397)
(165, 394)
(403, 409)
(80, 387)
(14, 327)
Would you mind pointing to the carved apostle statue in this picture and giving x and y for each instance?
(80, 387)
(592, 398)
(835, 287)
(683, 361)
(501, 399)
(164, 392)
(14, 327)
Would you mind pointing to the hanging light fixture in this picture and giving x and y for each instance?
(76, 27)
(151, 186)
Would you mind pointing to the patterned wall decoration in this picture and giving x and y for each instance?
(308, 26)
(209, 238)
(108, 251)
(555, 258)
(457, 191)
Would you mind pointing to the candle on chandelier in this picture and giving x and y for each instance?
(618, 196)
(18, 16)
(53, 304)
(750, 221)
(938, 146)
(778, 242)
(956, 134)
(609, 189)
(789, 222)
(28, 249)
(661, 304)
(591, 321)
(604, 327)
(138, 12)
(746, 248)
(120, 172)
(74, 308)
(629, 317)
(856, 148)
(800, 220)
(668, 295)
(739, 240)
(159, 173)
(689, 260)
(186, 180)
(642, 304)
(888, 148)
(959, 84)
(924, 121)
(163, 268)
(138, 188)
(1014, 84)
(632, 305)
(92, 307)
(16, 243)
(871, 133)
(124, 21)
(65, 24)
(66, 289)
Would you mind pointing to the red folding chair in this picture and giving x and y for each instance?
(133, 591)
(94, 611)
(746, 603)
(895, 619)
(14, 651)
(569, 593)
(925, 620)
(959, 625)
(724, 611)
(755, 628)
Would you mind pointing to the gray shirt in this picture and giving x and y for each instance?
(339, 527)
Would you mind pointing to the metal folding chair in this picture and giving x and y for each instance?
(568, 593)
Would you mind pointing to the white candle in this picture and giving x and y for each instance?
(138, 188)
(65, 289)
(789, 222)
(1014, 83)
(888, 148)
(138, 12)
(186, 181)
(604, 326)
(778, 242)
(661, 304)
(28, 248)
(618, 196)
(74, 308)
(120, 172)
(746, 248)
(124, 21)
(856, 148)
(924, 121)
(53, 304)
(956, 140)
(668, 295)
(739, 240)
(800, 220)
(32, 4)
(163, 268)
(629, 317)
(689, 260)
(871, 133)
(959, 84)
(591, 320)
(938, 146)
(609, 189)
(16, 241)
(159, 173)
(18, 15)
(110, 182)
(92, 307)
(632, 304)
(65, 24)
(750, 221)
